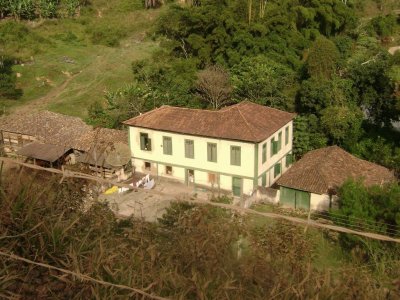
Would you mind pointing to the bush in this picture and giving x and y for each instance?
(384, 25)
(106, 35)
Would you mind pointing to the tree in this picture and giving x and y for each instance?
(264, 81)
(307, 135)
(375, 88)
(317, 94)
(214, 87)
(122, 104)
(342, 124)
(8, 80)
(322, 58)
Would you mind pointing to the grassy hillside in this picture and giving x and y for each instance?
(67, 64)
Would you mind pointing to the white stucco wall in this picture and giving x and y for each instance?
(319, 202)
(268, 166)
(199, 163)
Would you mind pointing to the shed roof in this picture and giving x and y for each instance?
(245, 121)
(325, 169)
(50, 127)
(45, 152)
(62, 130)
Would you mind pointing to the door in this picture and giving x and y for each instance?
(295, 198)
(288, 197)
(264, 179)
(189, 177)
(303, 200)
(237, 186)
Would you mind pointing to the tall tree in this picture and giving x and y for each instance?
(214, 87)
(322, 58)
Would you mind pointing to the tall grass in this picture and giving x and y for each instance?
(191, 253)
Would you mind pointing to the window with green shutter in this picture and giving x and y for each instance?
(286, 135)
(264, 179)
(272, 147)
(189, 148)
(212, 152)
(264, 152)
(279, 141)
(145, 142)
(235, 155)
(289, 159)
(167, 145)
(277, 169)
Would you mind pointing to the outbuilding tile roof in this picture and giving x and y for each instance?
(245, 121)
(322, 170)
(44, 152)
(66, 131)
(49, 127)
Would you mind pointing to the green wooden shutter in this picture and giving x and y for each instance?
(277, 169)
(286, 135)
(142, 141)
(235, 155)
(264, 179)
(189, 148)
(167, 145)
(279, 141)
(237, 186)
(272, 147)
(289, 159)
(264, 152)
(212, 152)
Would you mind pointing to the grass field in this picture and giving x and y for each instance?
(67, 64)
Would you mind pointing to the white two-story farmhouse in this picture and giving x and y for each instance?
(237, 148)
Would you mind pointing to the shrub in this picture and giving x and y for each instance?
(106, 35)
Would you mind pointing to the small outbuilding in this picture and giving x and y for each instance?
(312, 182)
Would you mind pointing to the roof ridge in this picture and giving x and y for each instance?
(147, 112)
(247, 123)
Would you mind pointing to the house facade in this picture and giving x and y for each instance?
(313, 181)
(235, 149)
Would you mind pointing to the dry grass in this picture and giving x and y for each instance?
(192, 253)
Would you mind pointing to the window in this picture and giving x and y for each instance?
(145, 142)
(167, 145)
(274, 147)
(147, 166)
(279, 141)
(286, 135)
(277, 169)
(264, 179)
(168, 170)
(212, 152)
(189, 148)
(235, 156)
(264, 152)
(289, 160)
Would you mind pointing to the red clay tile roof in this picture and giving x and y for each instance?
(328, 168)
(245, 121)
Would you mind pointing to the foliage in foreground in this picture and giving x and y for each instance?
(192, 253)
(375, 209)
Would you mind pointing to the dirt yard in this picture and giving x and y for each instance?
(151, 204)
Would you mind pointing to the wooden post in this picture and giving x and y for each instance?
(308, 220)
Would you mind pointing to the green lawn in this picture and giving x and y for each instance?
(51, 81)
